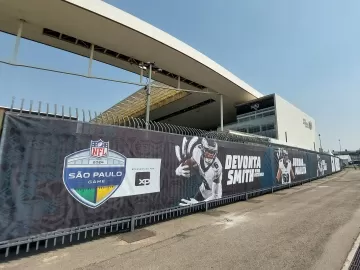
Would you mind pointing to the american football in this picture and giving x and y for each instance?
(190, 162)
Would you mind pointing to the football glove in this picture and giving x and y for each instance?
(183, 170)
(184, 152)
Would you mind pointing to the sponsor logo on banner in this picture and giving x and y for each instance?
(142, 178)
(99, 149)
(299, 166)
(94, 175)
(242, 169)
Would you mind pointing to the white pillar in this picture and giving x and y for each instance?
(17, 42)
(222, 113)
(91, 59)
(178, 82)
(148, 97)
(141, 72)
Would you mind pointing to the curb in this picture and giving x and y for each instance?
(351, 255)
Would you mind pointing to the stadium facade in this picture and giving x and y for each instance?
(193, 90)
(274, 117)
(269, 116)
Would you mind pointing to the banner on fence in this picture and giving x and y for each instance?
(57, 174)
(335, 164)
(291, 165)
(95, 174)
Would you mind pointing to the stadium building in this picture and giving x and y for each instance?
(269, 116)
(274, 117)
(187, 88)
(348, 156)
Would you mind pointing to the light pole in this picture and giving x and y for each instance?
(340, 146)
(320, 142)
(148, 97)
(151, 66)
(221, 113)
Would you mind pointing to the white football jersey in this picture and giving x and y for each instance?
(209, 173)
(285, 171)
(321, 169)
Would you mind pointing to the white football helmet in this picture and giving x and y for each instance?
(284, 155)
(209, 150)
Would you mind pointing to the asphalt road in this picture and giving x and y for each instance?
(307, 227)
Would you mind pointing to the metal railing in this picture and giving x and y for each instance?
(60, 112)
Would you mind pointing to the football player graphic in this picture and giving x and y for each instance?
(200, 158)
(285, 172)
(320, 167)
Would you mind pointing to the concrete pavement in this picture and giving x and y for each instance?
(306, 227)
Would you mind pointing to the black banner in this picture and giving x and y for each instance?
(323, 165)
(223, 167)
(57, 174)
(291, 166)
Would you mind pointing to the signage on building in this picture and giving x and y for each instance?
(255, 106)
(307, 124)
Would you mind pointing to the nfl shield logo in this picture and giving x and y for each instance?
(99, 148)
(92, 175)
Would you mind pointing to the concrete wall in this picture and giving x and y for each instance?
(297, 126)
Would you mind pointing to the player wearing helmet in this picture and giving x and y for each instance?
(285, 172)
(320, 167)
(202, 157)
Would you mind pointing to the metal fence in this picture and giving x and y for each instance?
(81, 233)
(46, 241)
(109, 118)
(112, 118)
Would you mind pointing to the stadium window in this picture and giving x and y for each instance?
(270, 126)
(272, 135)
(244, 119)
(269, 113)
(254, 129)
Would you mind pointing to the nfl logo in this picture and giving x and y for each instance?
(99, 149)
(93, 183)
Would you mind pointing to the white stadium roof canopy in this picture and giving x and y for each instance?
(124, 41)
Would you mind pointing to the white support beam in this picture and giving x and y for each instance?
(221, 113)
(178, 82)
(91, 59)
(72, 74)
(17, 42)
(141, 72)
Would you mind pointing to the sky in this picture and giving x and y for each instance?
(306, 51)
